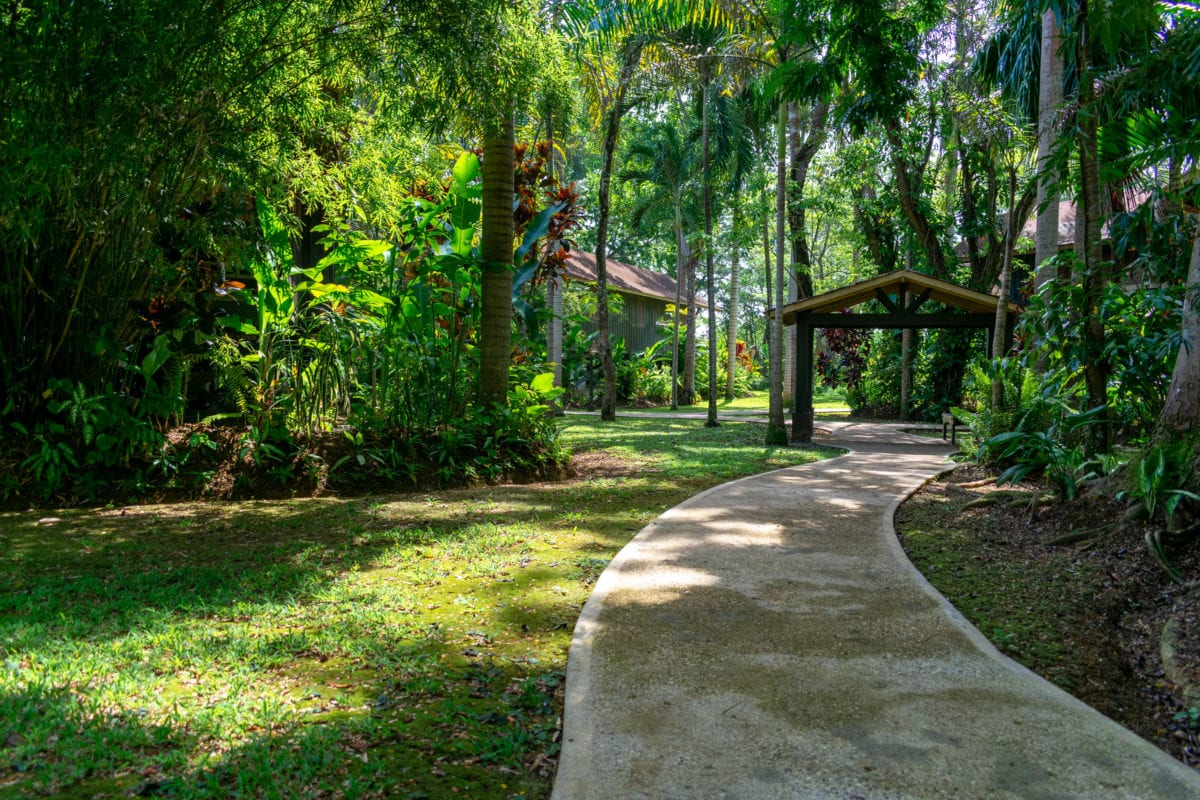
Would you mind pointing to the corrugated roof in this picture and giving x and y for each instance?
(1067, 214)
(622, 277)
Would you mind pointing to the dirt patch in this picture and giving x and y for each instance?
(1097, 617)
(601, 464)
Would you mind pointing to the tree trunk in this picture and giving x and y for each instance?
(906, 342)
(554, 291)
(612, 129)
(731, 336)
(906, 350)
(496, 248)
(1050, 98)
(768, 272)
(680, 244)
(709, 283)
(554, 332)
(776, 427)
(1095, 368)
(999, 335)
(913, 212)
(802, 156)
(1181, 413)
(687, 395)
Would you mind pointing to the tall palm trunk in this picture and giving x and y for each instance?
(1050, 97)
(680, 245)
(687, 395)
(776, 428)
(1181, 413)
(496, 248)
(731, 336)
(554, 291)
(612, 129)
(1095, 278)
(768, 273)
(1000, 334)
(711, 421)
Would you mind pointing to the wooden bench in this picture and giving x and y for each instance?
(950, 423)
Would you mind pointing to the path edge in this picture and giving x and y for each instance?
(1142, 748)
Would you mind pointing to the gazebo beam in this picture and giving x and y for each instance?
(902, 319)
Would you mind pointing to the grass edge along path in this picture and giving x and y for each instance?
(409, 646)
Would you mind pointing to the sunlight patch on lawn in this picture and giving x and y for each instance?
(414, 643)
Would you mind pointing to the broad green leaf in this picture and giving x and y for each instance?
(320, 290)
(237, 324)
(463, 236)
(274, 233)
(536, 230)
(157, 356)
(370, 299)
(466, 170)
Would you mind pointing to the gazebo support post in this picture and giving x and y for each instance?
(802, 385)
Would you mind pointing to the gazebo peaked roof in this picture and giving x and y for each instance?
(882, 287)
(901, 293)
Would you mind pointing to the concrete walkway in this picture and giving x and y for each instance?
(768, 639)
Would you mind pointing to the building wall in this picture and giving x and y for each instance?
(637, 323)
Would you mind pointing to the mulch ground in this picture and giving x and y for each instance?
(1128, 638)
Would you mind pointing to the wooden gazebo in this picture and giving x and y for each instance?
(905, 296)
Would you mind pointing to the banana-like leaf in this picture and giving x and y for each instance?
(468, 208)
(466, 170)
(536, 230)
(237, 324)
(160, 355)
(278, 246)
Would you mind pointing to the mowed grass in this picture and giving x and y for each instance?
(823, 399)
(409, 646)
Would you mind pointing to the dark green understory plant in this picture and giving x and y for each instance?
(1156, 479)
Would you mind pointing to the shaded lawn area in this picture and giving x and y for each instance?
(823, 398)
(407, 646)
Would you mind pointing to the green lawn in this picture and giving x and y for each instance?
(407, 646)
(823, 399)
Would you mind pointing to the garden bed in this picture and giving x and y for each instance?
(1099, 619)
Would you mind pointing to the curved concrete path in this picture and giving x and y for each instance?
(768, 639)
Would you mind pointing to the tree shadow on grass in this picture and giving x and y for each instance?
(469, 730)
(155, 597)
(251, 592)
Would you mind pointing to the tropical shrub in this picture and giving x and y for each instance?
(1141, 340)
(743, 374)
(1055, 454)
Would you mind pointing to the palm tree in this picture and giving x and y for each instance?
(608, 31)
(776, 427)
(1098, 37)
(631, 29)
(1050, 98)
(663, 162)
(722, 56)
(496, 250)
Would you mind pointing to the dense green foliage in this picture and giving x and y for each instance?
(241, 219)
(271, 220)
